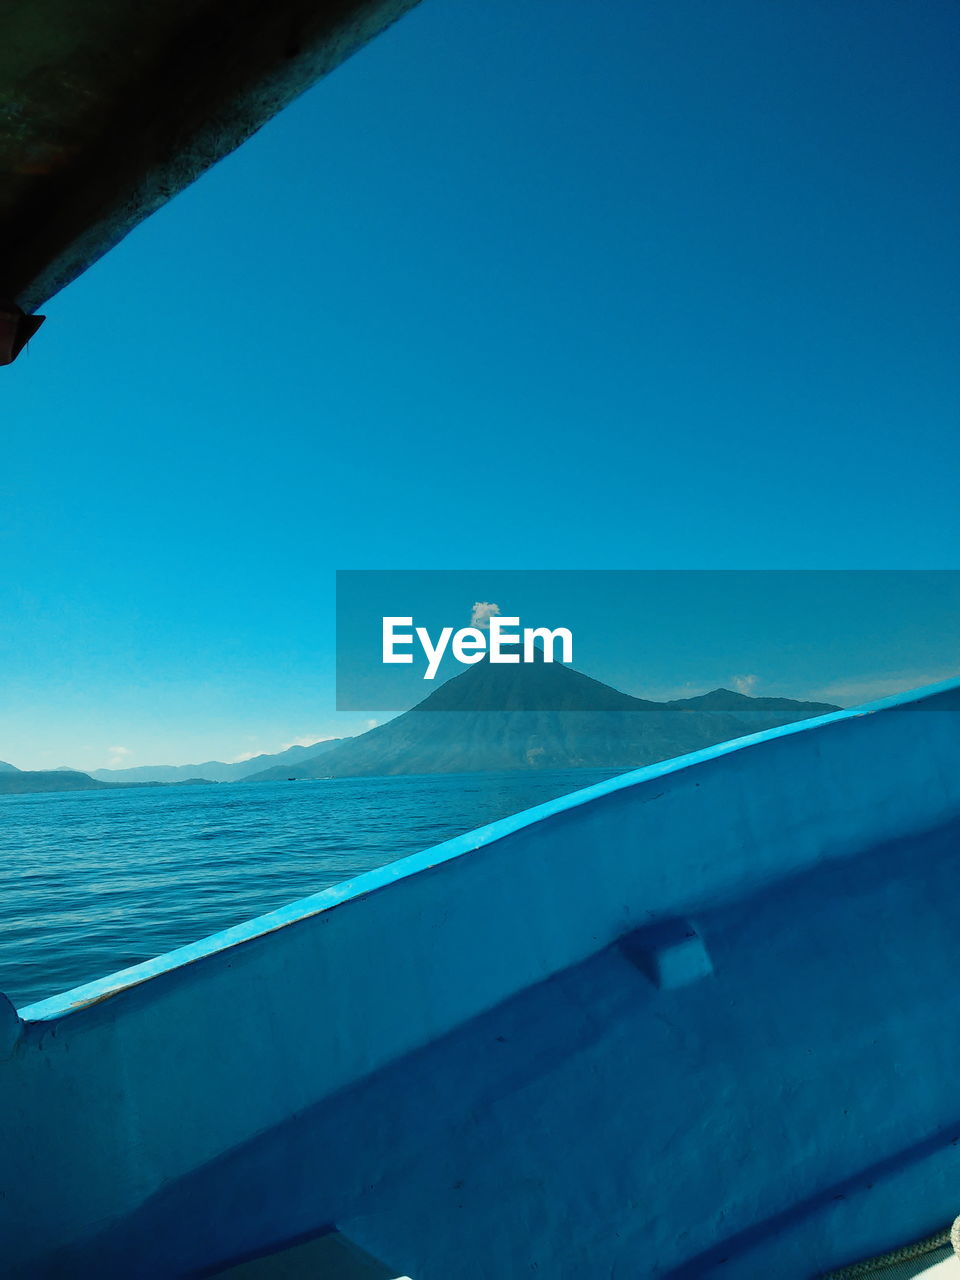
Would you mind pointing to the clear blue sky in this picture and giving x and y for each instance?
(560, 286)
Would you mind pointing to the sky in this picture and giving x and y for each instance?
(562, 286)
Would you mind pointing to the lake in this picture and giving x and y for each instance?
(94, 881)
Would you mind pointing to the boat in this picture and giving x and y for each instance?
(697, 1020)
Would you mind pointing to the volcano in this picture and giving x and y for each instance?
(542, 715)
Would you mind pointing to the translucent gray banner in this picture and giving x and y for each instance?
(736, 642)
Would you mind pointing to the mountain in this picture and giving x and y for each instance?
(548, 716)
(8, 768)
(742, 703)
(25, 781)
(213, 770)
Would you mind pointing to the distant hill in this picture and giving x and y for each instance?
(25, 781)
(741, 703)
(213, 770)
(549, 716)
(8, 768)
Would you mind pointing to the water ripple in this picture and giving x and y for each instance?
(94, 881)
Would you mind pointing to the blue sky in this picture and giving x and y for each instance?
(668, 285)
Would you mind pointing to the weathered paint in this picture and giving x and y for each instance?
(697, 1019)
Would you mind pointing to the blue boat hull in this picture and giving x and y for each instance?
(697, 1020)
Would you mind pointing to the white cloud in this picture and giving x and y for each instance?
(851, 693)
(372, 724)
(667, 693)
(745, 684)
(483, 611)
(118, 757)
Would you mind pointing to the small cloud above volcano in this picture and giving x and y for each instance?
(483, 611)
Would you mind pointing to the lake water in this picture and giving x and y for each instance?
(93, 881)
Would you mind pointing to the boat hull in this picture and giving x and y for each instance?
(696, 1019)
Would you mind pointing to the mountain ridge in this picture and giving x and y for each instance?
(730, 700)
(542, 716)
(212, 770)
(32, 781)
